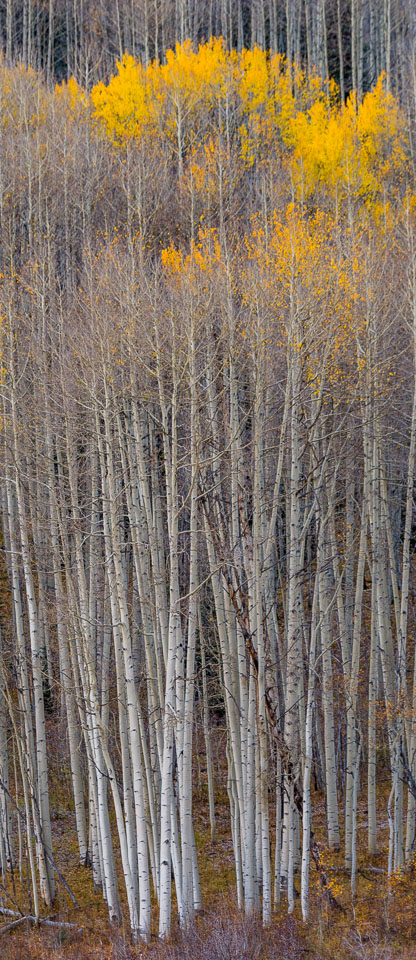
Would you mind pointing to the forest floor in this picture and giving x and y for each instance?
(380, 924)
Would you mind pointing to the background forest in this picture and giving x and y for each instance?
(208, 439)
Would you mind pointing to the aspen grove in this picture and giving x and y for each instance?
(208, 438)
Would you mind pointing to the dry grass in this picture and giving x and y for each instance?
(380, 925)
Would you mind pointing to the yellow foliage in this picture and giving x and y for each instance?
(303, 273)
(123, 105)
(254, 79)
(189, 269)
(197, 89)
(197, 76)
(350, 150)
(160, 96)
(172, 260)
(198, 98)
(271, 95)
(72, 95)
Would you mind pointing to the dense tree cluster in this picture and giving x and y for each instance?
(208, 428)
(352, 41)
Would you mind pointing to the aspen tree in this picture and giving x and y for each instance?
(6, 841)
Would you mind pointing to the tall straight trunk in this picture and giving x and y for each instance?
(65, 667)
(405, 585)
(340, 53)
(328, 702)
(372, 728)
(354, 30)
(387, 36)
(373, 468)
(130, 683)
(306, 808)
(86, 660)
(293, 640)
(185, 798)
(48, 889)
(207, 735)
(167, 838)
(32, 868)
(352, 686)
(29, 758)
(6, 839)
(278, 837)
(259, 629)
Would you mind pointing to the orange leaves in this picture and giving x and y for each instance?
(172, 260)
(292, 251)
(299, 279)
(189, 269)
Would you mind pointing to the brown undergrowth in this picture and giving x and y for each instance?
(379, 923)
